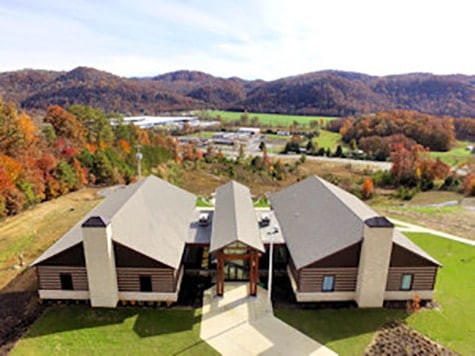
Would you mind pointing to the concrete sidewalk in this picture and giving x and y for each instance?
(236, 324)
(407, 227)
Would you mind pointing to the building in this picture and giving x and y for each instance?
(137, 244)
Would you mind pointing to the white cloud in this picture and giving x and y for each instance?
(252, 39)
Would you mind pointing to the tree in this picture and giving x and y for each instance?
(66, 125)
(367, 189)
(469, 184)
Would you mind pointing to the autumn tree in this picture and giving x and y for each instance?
(66, 125)
(367, 189)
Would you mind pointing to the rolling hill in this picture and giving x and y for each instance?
(332, 93)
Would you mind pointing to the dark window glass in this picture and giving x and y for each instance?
(66, 281)
(145, 283)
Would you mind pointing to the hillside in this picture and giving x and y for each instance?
(332, 93)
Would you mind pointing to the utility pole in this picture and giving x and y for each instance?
(271, 260)
(139, 157)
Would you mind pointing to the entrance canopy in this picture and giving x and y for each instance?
(234, 218)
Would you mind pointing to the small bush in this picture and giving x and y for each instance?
(406, 193)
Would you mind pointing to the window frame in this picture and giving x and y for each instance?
(66, 281)
(403, 276)
(148, 284)
(324, 278)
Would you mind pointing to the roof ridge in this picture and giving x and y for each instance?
(322, 182)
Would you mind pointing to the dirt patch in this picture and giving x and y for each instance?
(19, 309)
(399, 339)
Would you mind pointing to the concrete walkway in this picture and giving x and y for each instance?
(236, 324)
(407, 227)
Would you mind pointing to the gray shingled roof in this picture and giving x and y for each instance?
(234, 218)
(318, 219)
(151, 217)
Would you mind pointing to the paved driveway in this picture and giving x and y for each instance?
(236, 324)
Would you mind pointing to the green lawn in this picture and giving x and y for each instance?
(349, 332)
(203, 203)
(456, 155)
(327, 139)
(270, 119)
(80, 330)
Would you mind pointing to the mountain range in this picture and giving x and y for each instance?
(330, 93)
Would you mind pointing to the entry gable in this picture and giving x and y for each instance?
(234, 218)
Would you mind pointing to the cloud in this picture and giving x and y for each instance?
(252, 39)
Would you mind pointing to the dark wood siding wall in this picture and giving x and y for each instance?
(423, 277)
(163, 279)
(73, 256)
(126, 257)
(348, 257)
(293, 270)
(48, 277)
(311, 279)
(400, 257)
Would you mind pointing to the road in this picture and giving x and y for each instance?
(372, 164)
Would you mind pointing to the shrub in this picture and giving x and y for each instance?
(469, 184)
(406, 193)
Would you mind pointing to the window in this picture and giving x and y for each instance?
(145, 283)
(406, 282)
(328, 283)
(66, 281)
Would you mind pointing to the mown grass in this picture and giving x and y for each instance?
(349, 332)
(327, 139)
(32, 231)
(203, 203)
(270, 119)
(81, 330)
(456, 155)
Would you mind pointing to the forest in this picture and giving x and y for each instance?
(78, 146)
(326, 93)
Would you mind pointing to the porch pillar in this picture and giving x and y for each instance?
(253, 272)
(219, 273)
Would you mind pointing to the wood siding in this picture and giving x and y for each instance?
(163, 279)
(126, 257)
(48, 277)
(73, 256)
(348, 257)
(311, 279)
(401, 257)
(423, 278)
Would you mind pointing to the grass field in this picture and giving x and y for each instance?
(327, 139)
(456, 155)
(451, 219)
(80, 330)
(349, 332)
(32, 231)
(270, 119)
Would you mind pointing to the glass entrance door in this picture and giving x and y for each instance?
(236, 270)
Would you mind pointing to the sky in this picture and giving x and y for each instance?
(251, 39)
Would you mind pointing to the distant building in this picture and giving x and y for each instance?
(147, 122)
(140, 241)
(249, 131)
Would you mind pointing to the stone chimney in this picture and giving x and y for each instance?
(100, 262)
(374, 262)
